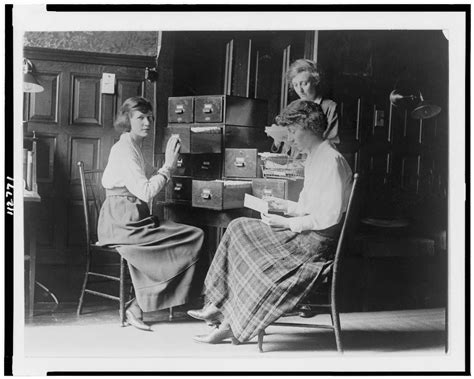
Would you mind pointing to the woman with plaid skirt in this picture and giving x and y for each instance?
(263, 268)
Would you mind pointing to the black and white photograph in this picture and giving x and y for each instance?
(270, 189)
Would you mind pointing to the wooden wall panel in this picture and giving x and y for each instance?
(410, 172)
(349, 119)
(46, 148)
(127, 88)
(86, 150)
(75, 228)
(86, 100)
(45, 224)
(43, 106)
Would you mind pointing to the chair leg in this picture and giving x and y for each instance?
(171, 315)
(122, 292)
(261, 333)
(84, 284)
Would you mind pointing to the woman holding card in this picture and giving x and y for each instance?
(263, 269)
(161, 256)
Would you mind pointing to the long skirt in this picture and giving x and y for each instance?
(161, 256)
(258, 273)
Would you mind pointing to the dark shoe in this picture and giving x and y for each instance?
(305, 311)
(133, 320)
(211, 316)
(217, 336)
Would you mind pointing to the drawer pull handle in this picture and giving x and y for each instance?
(178, 187)
(207, 108)
(205, 165)
(179, 163)
(179, 109)
(239, 162)
(206, 194)
(267, 192)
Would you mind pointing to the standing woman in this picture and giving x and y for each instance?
(263, 268)
(161, 256)
(305, 77)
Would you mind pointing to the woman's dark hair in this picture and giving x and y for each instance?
(307, 114)
(136, 103)
(304, 65)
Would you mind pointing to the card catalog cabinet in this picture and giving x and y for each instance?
(220, 138)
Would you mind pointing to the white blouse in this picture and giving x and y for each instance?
(127, 168)
(326, 190)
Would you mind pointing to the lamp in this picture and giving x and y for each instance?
(424, 109)
(30, 84)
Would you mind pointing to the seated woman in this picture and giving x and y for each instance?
(161, 256)
(305, 78)
(263, 268)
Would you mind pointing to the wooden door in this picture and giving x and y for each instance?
(74, 121)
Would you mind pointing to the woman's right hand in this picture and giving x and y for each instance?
(172, 151)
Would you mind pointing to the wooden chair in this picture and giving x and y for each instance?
(331, 273)
(90, 194)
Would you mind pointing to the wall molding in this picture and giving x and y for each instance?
(42, 53)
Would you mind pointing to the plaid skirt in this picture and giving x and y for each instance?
(161, 256)
(258, 273)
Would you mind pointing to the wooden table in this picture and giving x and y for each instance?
(30, 198)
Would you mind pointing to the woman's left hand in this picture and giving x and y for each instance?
(275, 221)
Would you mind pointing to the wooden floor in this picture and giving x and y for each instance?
(97, 333)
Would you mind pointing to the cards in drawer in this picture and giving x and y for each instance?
(195, 139)
(220, 194)
(241, 163)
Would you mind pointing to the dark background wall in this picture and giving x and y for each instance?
(404, 160)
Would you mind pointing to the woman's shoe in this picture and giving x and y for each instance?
(210, 314)
(217, 336)
(133, 320)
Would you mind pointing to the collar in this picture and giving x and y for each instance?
(318, 99)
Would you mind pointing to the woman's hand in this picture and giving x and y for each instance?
(275, 221)
(172, 151)
(277, 204)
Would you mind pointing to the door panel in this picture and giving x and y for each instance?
(86, 103)
(44, 107)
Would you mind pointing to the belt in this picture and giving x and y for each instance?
(120, 191)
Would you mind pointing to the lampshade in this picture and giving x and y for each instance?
(30, 84)
(423, 109)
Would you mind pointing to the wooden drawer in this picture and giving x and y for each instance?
(282, 188)
(184, 166)
(208, 109)
(179, 190)
(220, 194)
(206, 166)
(195, 139)
(241, 163)
(181, 109)
(245, 138)
(232, 110)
